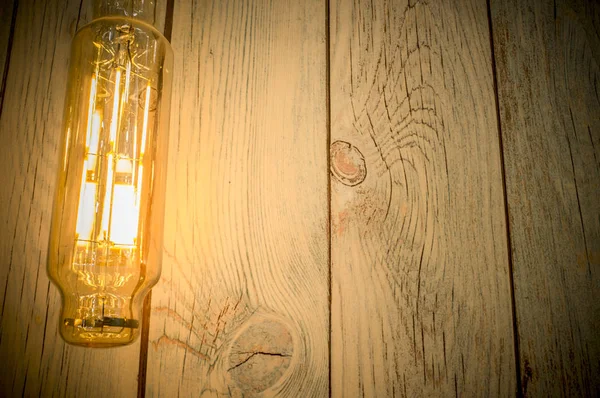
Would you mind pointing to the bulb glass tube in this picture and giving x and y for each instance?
(107, 221)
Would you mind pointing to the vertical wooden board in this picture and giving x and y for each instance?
(35, 360)
(7, 8)
(548, 63)
(242, 305)
(421, 300)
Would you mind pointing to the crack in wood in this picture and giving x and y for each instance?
(253, 354)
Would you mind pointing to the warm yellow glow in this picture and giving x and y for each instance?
(86, 214)
(95, 135)
(114, 122)
(145, 125)
(107, 220)
(92, 155)
(87, 196)
(127, 82)
(139, 188)
(125, 94)
(135, 149)
(123, 224)
(66, 157)
(119, 214)
(91, 106)
(107, 210)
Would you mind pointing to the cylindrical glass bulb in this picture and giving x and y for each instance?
(107, 222)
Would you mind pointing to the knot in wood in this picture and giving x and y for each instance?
(347, 163)
(260, 355)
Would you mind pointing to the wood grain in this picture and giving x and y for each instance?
(420, 291)
(548, 61)
(421, 302)
(35, 360)
(242, 306)
(7, 9)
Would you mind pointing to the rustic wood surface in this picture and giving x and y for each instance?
(6, 25)
(242, 306)
(548, 62)
(336, 216)
(420, 281)
(34, 359)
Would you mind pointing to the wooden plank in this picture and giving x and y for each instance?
(7, 10)
(242, 306)
(35, 360)
(548, 66)
(421, 300)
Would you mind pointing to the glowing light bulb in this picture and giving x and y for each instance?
(107, 221)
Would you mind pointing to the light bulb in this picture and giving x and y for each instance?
(107, 221)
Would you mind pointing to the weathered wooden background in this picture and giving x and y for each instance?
(366, 198)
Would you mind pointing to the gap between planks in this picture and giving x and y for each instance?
(506, 214)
